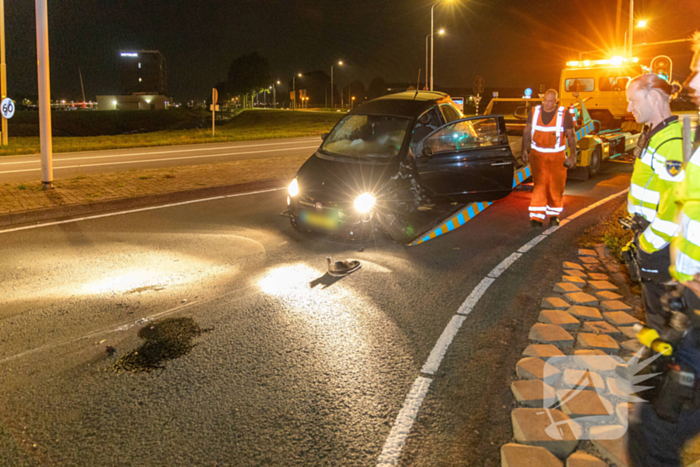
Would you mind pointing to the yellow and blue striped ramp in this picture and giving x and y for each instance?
(468, 213)
(584, 130)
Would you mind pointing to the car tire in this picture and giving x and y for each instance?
(595, 164)
(294, 223)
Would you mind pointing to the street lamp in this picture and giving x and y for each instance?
(294, 90)
(339, 63)
(353, 103)
(432, 39)
(640, 25)
(441, 32)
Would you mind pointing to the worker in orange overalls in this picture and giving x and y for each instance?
(549, 128)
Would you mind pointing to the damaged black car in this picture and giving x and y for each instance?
(397, 164)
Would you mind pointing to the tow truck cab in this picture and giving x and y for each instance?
(602, 84)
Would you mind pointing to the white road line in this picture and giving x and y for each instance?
(402, 427)
(150, 208)
(474, 297)
(394, 444)
(149, 153)
(443, 343)
(505, 264)
(529, 245)
(157, 160)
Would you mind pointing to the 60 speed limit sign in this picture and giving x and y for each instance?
(7, 107)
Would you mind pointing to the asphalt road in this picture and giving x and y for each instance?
(70, 164)
(296, 368)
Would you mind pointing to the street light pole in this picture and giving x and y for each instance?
(339, 63)
(42, 53)
(426, 59)
(631, 28)
(294, 92)
(432, 40)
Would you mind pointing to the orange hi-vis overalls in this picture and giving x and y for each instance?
(547, 157)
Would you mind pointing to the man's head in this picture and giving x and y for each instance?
(649, 96)
(549, 101)
(693, 81)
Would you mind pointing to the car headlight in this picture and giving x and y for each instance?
(364, 202)
(294, 188)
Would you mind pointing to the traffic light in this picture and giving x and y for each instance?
(662, 66)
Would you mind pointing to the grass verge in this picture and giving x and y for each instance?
(248, 125)
(608, 232)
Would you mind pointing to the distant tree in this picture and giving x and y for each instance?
(377, 88)
(247, 74)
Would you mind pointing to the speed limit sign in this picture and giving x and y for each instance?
(7, 107)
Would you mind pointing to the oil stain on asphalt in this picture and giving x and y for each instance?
(167, 339)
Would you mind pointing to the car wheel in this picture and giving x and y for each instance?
(596, 161)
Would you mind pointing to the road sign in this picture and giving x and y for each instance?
(214, 108)
(7, 107)
(214, 96)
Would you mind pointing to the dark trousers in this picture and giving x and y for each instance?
(653, 442)
(653, 269)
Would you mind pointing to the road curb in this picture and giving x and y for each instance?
(59, 212)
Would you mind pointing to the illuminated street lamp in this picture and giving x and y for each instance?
(641, 24)
(441, 32)
(339, 63)
(353, 103)
(432, 39)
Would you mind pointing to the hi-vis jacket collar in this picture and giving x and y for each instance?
(662, 125)
(557, 128)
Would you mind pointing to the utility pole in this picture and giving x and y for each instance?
(618, 20)
(631, 29)
(81, 84)
(42, 53)
(3, 70)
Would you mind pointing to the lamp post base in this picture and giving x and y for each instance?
(47, 186)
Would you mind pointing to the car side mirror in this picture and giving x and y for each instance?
(428, 152)
(324, 136)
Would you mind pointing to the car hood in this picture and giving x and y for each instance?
(334, 180)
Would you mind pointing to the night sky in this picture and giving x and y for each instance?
(511, 43)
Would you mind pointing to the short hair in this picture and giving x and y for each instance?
(652, 82)
(552, 91)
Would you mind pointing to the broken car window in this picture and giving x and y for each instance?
(367, 136)
(465, 134)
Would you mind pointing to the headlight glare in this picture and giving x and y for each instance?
(294, 188)
(364, 202)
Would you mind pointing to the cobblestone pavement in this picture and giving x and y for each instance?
(28, 196)
(571, 406)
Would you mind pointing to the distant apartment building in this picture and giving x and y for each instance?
(143, 82)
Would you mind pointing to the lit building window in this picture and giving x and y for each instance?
(139, 64)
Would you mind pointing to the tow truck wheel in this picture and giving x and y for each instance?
(596, 161)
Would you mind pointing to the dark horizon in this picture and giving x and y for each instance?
(510, 43)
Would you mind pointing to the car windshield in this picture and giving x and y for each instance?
(367, 136)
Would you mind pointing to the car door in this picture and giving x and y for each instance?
(467, 160)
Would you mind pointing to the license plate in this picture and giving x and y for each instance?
(317, 220)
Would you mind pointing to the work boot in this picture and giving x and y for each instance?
(553, 221)
(536, 224)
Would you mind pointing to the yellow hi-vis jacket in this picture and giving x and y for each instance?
(685, 248)
(657, 173)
